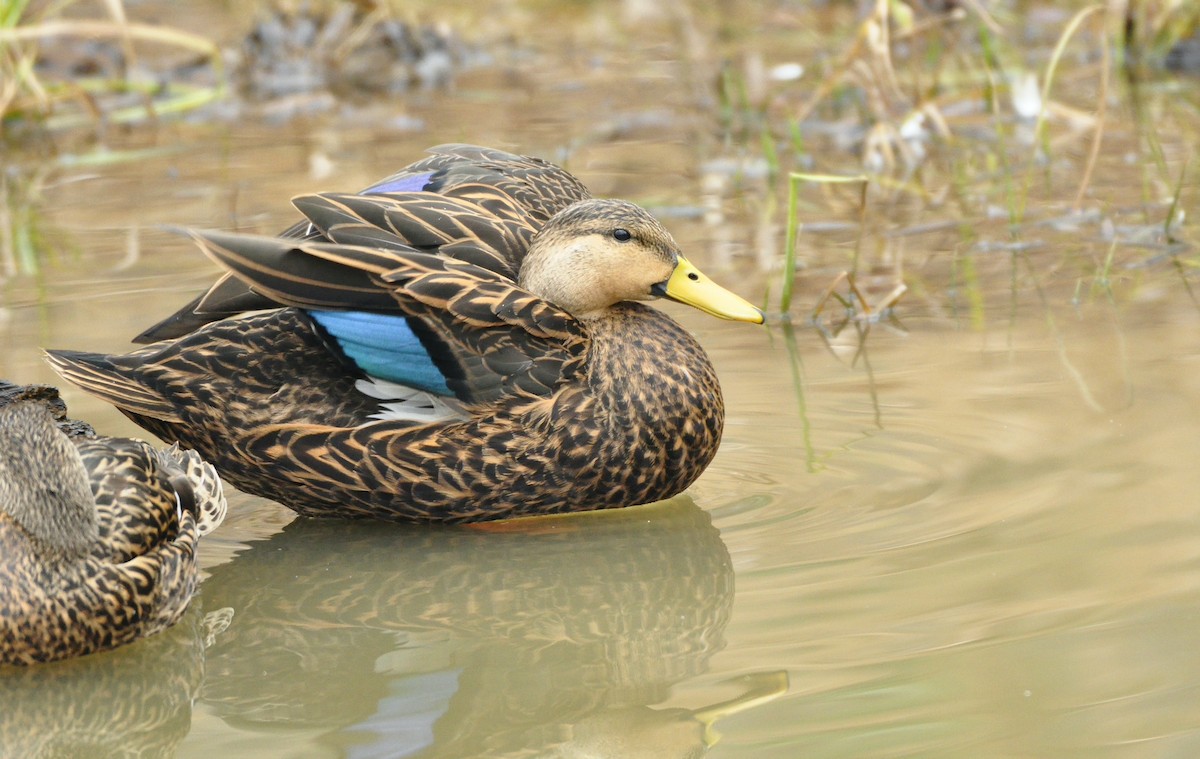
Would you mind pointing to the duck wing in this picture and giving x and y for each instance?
(148, 498)
(492, 233)
(483, 335)
(513, 194)
(539, 187)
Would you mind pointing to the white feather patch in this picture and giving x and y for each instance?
(403, 403)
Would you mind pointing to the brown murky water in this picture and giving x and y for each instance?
(973, 530)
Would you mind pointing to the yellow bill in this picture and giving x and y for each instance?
(688, 285)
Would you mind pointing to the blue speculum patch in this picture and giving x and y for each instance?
(412, 183)
(385, 347)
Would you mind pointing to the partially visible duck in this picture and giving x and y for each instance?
(97, 535)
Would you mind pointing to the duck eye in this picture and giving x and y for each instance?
(621, 235)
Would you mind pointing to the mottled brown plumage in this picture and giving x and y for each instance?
(564, 394)
(97, 535)
(501, 200)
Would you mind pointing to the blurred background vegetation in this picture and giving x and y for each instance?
(871, 110)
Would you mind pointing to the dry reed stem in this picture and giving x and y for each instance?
(1052, 66)
(1098, 130)
(116, 9)
(87, 28)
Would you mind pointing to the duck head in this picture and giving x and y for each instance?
(597, 253)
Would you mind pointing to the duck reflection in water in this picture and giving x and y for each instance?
(547, 637)
(135, 701)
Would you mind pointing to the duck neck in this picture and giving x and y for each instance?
(563, 273)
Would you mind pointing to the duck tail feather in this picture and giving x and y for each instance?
(100, 375)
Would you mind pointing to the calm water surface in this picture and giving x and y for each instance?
(965, 532)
